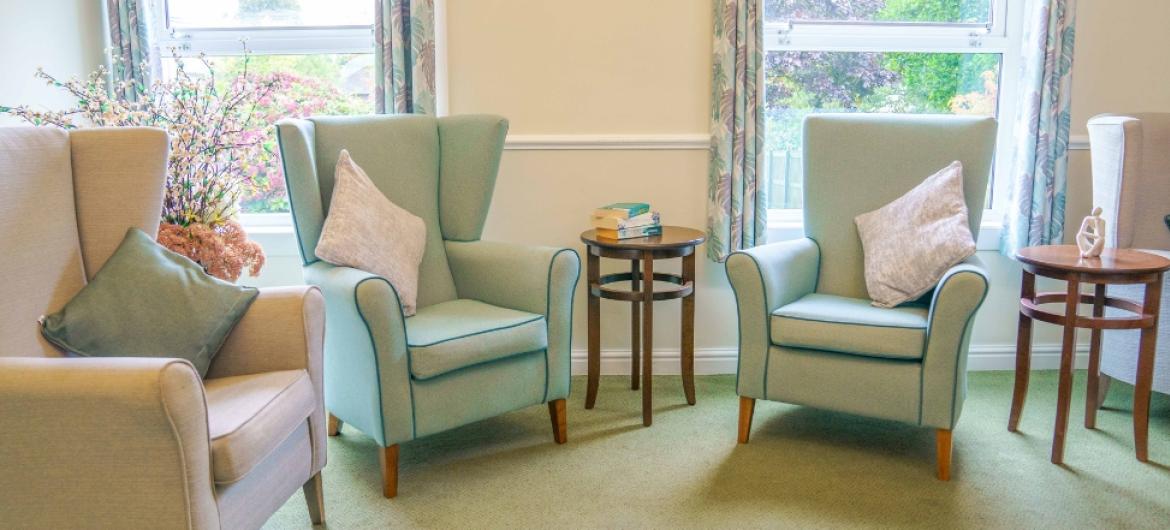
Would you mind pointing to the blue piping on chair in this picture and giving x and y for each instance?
(548, 310)
(509, 326)
(958, 346)
(377, 365)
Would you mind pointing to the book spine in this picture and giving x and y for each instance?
(641, 231)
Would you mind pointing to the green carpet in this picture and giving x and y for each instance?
(803, 468)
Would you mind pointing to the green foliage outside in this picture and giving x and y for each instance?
(799, 83)
(307, 85)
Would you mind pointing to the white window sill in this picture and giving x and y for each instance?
(274, 230)
(784, 225)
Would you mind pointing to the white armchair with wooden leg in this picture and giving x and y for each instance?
(1131, 184)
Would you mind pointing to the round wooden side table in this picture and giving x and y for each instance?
(674, 242)
(1114, 266)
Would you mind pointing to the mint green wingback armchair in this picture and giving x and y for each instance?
(492, 330)
(807, 332)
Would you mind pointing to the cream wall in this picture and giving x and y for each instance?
(63, 36)
(621, 67)
(616, 67)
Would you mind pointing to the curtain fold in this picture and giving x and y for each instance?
(404, 33)
(1035, 214)
(737, 205)
(132, 59)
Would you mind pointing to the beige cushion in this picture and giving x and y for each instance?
(248, 416)
(911, 242)
(366, 231)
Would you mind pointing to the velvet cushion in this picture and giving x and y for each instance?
(910, 243)
(147, 301)
(367, 231)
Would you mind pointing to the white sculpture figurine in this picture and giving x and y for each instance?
(1091, 237)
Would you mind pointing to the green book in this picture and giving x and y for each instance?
(622, 210)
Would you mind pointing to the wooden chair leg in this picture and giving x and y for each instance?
(942, 441)
(335, 424)
(747, 407)
(315, 498)
(1103, 389)
(388, 457)
(560, 425)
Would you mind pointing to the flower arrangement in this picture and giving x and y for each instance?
(217, 134)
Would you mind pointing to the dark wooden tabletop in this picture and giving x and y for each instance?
(1111, 260)
(671, 237)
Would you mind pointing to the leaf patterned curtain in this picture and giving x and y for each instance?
(1040, 160)
(132, 57)
(737, 205)
(404, 31)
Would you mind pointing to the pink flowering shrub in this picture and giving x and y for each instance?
(293, 96)
(223, 251)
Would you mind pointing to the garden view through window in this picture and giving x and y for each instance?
(906, 56)
(284, 39)
(919, 72)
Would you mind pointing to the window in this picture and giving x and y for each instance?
(907, 56)
(321, 53)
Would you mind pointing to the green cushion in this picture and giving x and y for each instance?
(451, 335)
(147, 301)
(850, 325)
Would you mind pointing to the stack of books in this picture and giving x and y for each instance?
(625, 220)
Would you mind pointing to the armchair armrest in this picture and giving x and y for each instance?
(957, 298)
(367, 363)
(763, 279)
(104, 439)
(535, 279)
(284, 329)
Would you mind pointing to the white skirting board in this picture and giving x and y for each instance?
(723, 361)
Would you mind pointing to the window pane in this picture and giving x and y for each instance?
(945, 11)
(269, 13)
(304, 85)
(803, 83)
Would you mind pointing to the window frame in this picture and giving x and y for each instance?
(261, 40)
(1002, 35)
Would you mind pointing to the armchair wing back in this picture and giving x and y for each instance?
(1131, 181)
(884, 156)
(492, 330)
(1131, 177)
(68, 199)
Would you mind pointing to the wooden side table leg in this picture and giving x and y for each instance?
(593, 265)
(647, 337)
(1145, 371)
(1023, 353)
(688, 330)
(1094, 382)
(635, 327)
(1067, 353)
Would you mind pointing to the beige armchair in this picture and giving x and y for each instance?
(1131, 184)
(138, 442)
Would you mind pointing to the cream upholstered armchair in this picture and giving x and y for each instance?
(807, 332)
(138, 442)
(1131, 184)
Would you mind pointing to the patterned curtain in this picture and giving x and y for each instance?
(1040, 165)
(737, 202)
(404, 31)
(132, 59)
